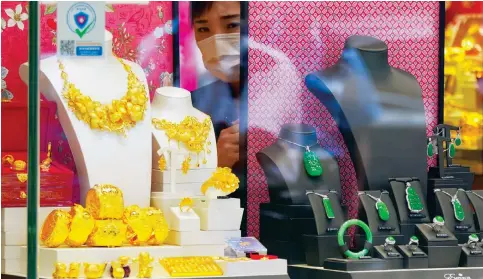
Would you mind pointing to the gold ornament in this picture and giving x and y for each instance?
(190, 131)
(107, 233)
(162, 163)
(117, 270)
(186, 204)
(105, 201)
(138, 228)
(23, 195)
(19, 165)
(81, 226)
(45, 165)
(60, 271)
(191, 266)
(55, 228)
(22, 177)
(158, 224)
(118, 116)
(222, 179)
(94, 271)
(74, 270)
(145, 265)
(185, 166)
(7, 160)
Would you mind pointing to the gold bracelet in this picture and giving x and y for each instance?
(55, 228)
(81, 226)
(105, 201)
(159, 224)
(107, 233)
(19, 165)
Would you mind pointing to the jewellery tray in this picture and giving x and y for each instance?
(444, 208)
(392, 262)
(442, 252)
(413, 261)
(398, 196)
(56, 184)
(368, 214)
(477, 204)
(282, 228)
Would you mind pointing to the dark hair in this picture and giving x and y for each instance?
(198, 8)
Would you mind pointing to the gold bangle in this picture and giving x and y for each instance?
(186, 204)
(19, 165)
(7, 159)
(105, 201)
(107, 233)
(159, 224)
(55, 228)
(138, 227)
(81, 226)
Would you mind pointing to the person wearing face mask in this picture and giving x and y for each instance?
(216, 27)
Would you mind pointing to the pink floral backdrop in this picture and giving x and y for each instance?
(142, 33)
(289, 40)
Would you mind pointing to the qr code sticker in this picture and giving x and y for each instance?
(67, 47)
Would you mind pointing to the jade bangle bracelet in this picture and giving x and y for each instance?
(340, 238)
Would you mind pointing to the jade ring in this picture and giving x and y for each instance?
(389, 244)
(438, 223)
(413, 243)
(472, 241)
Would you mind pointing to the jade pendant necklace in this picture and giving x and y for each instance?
(381, 206)
(312, 164)
(329, 211)
(412, 198)
(458, 210)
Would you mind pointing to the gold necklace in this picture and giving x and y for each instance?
(191, 132)
(119, 115)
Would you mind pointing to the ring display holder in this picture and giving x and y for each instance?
(444, 207)
(380, 229)
(413, 259)
(399, 195)
(442, 248)
(394, 259)
(471, 257)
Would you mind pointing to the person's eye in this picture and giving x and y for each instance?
(203, 30)
(233, 25)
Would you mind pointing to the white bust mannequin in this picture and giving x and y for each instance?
(174, 104)
(101, 156)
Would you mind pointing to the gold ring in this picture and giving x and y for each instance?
(7, 159)
(19, 165)
(186, 204)
(55, 228)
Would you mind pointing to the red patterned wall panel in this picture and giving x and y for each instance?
(288, 40)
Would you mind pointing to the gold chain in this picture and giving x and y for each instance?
(119, 115)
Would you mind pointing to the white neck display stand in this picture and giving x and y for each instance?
(101, 156)
(174, 105)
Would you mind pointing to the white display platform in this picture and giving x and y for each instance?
(189, 188)
(11, 252)
(49, 256)
(193, 176)
(13, 266)
(254, 268)
(219, 214)
(14, 238)
(15, 218)
(200, 237)
(182, 221)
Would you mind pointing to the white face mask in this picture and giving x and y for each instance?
(221, 56)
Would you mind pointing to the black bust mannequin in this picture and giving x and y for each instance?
(283, 165)
(379, 110)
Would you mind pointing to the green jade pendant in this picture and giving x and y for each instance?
(459, 212)
(382, 210)
(412, 198)
(329, 211)
(312, 164)
(452, 150)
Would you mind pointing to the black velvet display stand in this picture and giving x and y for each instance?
(413, 259)
(477, 203)
(323, 245)
(444, 207)
(442, 248)
(471, 257)
(289, 215)
(407, 219)
(380, 229)
(394, 259)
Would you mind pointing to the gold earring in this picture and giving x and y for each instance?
(185, 166)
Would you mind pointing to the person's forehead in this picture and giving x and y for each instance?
(223, 8)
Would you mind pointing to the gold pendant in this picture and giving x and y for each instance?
(185, 166)
(162, 163)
